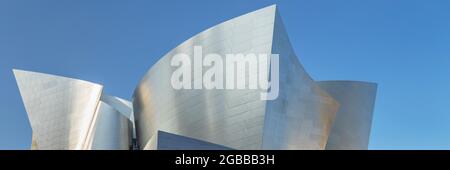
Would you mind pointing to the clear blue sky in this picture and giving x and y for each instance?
(403, 45)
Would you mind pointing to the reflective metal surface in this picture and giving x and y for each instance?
(302, 115)
(111, 129)
(300, 118)
(168, 141)
(351, 128)
(121, 105)
(124, 107)
(60, 109)
(67, 113)
(232, 118)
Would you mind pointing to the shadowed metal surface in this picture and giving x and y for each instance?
(302, 115)
(169, 141)
(351, 128)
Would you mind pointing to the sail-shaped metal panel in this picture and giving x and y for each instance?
(61, 110)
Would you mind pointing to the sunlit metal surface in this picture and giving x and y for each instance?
(60, 109)
(124, 107)
(111, 129)
(121, 105)
(351, 128)
(299, 119)
(232, 118)
(66, 113)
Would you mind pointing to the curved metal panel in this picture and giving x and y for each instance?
(111, 129)
(351, 128)
(61, 110)
(68, 113)
(299, 119)
(125, 107)
(232, 118)
(302, 115)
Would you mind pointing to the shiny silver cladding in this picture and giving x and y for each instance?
(300, 118)
(232, 118)
(351, 128)
(67, 113)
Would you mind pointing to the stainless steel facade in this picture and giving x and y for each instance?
(351, 128)
(301, 117)
(68, 113)
(112, 129)
(232, 118)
